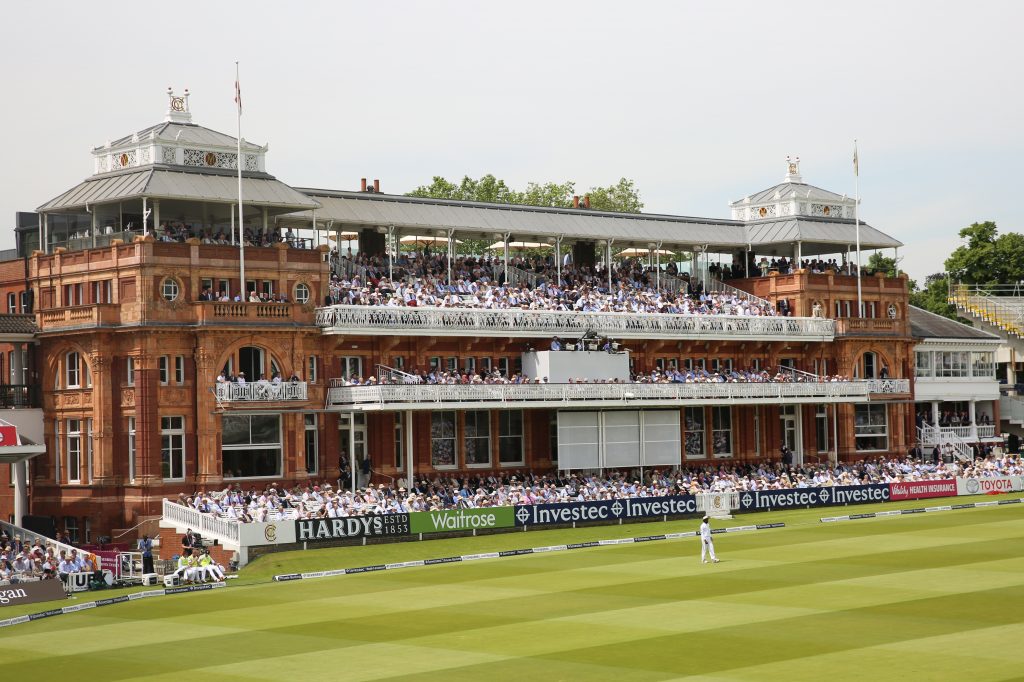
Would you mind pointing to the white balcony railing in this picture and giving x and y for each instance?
(400, 321)
(889, 385)
(261, 391)
(428, 396)
(207, 525)
(932, 435)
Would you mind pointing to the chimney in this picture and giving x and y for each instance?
(362, 184)
(586, 201)
(376, 185)
(575, 200)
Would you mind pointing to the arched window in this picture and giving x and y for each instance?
(256, 363)
(301, 293)
(871, 365)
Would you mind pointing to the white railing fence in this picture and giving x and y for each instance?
(567, 393)
(409, 321)
(718, 286)
(207, 525)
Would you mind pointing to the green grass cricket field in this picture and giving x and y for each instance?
(936, 596)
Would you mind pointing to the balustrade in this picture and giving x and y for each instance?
(261, 391)
(409, 321)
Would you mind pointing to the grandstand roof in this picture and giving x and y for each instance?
(928, 325)
(369, 209)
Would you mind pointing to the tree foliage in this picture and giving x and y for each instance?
(620, 197)
(934, 297)
(987, 257)
(881, 263)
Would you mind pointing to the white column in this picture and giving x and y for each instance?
(156, 215)
(972, 416)
(17, 369)
(935, 413)
(352, 448)
(409, 467)
(20, 491)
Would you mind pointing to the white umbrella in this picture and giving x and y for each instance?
(498, 246)
(645, 252)
(425, 239)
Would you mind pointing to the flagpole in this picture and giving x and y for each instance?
(241, 224)
(856, 218)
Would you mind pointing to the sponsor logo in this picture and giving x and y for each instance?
(352, 527)
(912, 490)
(288, 576)
(632, 508)
(442, 560)
(814, 497)
(366, 569)
(30, 593)
(270, 532)
(461, 519)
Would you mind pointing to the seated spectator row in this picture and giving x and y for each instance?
(274, 503)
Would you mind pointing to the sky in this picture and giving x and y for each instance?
(699, 103)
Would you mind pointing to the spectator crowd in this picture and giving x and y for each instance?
(322, 500)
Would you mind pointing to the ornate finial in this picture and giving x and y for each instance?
(793, 170)
(177, 107)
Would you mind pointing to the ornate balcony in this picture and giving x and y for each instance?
(80, 317)
(457, 396)
(261, 391)
(381, 321)
(886, 386)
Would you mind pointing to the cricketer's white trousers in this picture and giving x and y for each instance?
(707, 546)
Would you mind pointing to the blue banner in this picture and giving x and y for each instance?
(798, 498)
(605, 510)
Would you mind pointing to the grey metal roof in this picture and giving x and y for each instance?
(790, 190)
(415, 213)
(359, 208)
(184, 134)
(838, 231)
(177, 185)
(927, 325)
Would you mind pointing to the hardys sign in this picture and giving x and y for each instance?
(830, 496)
(31, 592)
(604, 510)
(460, 519)
(351, 527)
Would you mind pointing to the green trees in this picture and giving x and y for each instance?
(621, 197)
(988, 257)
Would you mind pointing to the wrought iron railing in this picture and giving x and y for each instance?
(20, 395)
(261, 391)
(411, 321)
(889, 385)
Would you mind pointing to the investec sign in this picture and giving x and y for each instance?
(813, 497)
(604, 510)
(351, 527)
(460, 519)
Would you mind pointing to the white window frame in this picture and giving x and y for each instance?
(132, 449)
(73, 437)
(164, 365)
(521, 436)
(170, 290)
(472, 433)
(12, 303)
(179, 369)
(926, 370)
(453, 438)
(717, 411)
(301, 297)
(129, 374)
(311, 429)
(72, 370)
(696, 410)
(311, 370)
(870, 409)
(821, 426)
(175, 448)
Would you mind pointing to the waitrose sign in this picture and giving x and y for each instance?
(461, 519)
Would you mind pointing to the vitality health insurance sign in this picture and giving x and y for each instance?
(461, 519)
(919, 490)
(796, 498)
(605, 510)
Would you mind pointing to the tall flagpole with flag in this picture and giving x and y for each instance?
(856, 218)
(241, 229)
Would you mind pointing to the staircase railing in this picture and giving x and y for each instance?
(721, 287)
(1000, 305)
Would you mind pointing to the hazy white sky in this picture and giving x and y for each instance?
(699, 103)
